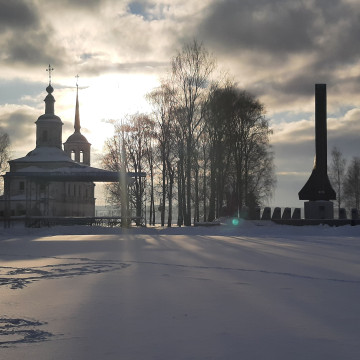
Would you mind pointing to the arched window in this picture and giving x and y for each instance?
(81, 156)
(73, 155)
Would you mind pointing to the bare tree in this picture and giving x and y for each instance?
(4, 154)
(352, 184)
(114, 159)
(218, 118)
(337, 174)
(4, 150)
(137, 131)
(204, 149)
(161, 99)
(242, 169)
(151, 166)
(129, 149)
(191, 69)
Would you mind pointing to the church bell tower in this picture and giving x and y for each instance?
(76, 146)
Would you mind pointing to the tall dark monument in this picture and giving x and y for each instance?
(318, 189)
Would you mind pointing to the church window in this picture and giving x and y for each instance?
(22, 186)
(73, 155)
(81, 156)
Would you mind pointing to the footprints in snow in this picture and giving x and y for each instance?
(21, 331)
(18, 278)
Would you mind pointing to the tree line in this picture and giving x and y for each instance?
(205, 147)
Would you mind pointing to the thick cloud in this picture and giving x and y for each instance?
(33, 49)
(278, 26)
(26, 39)
(19, 14)
(18, 122)
(92, 68)
(283, 27)
(283, 46)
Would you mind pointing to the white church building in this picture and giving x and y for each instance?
(54, 179)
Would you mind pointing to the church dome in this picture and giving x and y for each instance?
(50, 89)
(77, 137)
(49, 117)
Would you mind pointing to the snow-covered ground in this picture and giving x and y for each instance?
(255, 291)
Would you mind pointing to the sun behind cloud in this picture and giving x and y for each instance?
(105, 99)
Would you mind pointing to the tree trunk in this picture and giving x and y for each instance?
(163, 189)
(211, 216)
(188, 182)
(196, 212)
(170, 195)
(204, 185)
(180, 195)
(152, 205)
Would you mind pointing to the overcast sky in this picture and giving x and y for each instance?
(275, 49)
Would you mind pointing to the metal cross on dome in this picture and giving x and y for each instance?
(50, 69)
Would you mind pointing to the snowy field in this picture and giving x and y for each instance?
(255, 291)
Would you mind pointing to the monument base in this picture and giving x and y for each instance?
(319, 209)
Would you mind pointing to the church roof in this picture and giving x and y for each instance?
(77, 173)
(77, 137)
(67, 169)
(45, 154)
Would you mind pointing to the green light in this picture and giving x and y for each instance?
(235, 222)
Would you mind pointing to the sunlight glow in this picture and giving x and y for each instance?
(108, 98)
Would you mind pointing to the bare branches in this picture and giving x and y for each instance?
(352, 184)
(4, 150)
(209, 142)
(337, 173)
(4, 154)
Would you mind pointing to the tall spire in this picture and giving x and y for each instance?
(76, 146)
(77, 112)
